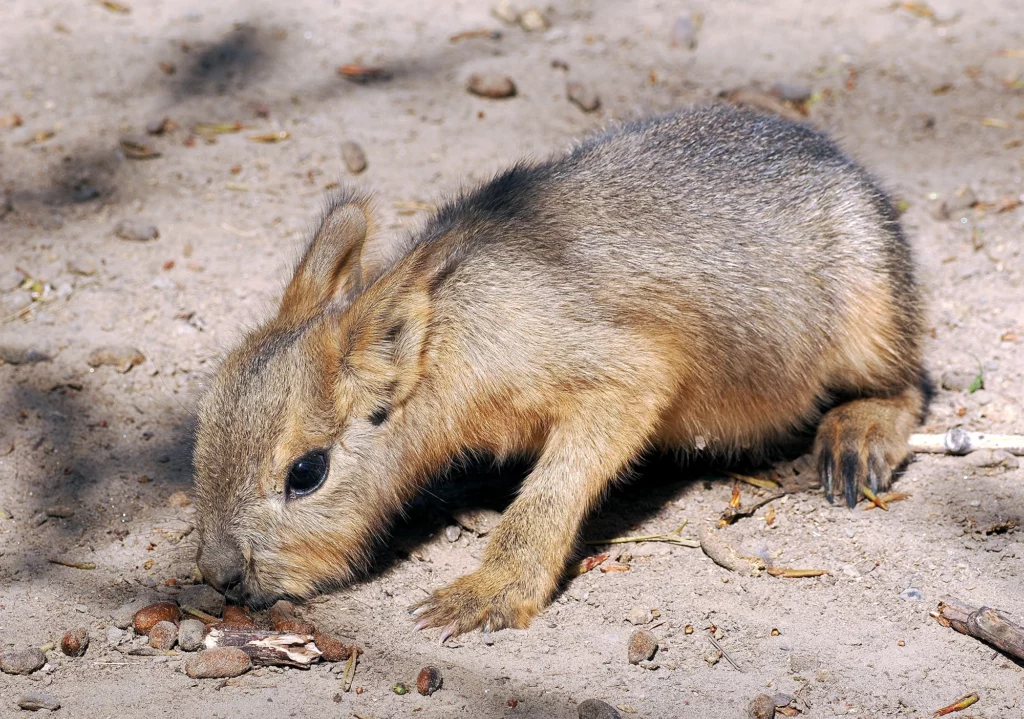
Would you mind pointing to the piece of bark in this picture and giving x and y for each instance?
(989, 625)
(725, 556)
(959, 441)
(267, 648)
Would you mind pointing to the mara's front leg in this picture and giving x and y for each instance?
(530, 546)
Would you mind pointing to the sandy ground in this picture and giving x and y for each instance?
(928, 103)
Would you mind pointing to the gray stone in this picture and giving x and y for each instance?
(638, 615)
(136, 230)
(36, 701)
(596, 709)
(452, 533)
(19, 354)
(190, 635)
(123, 615)
(912, 595)
(353, 157)
(202, 597)
(115, 636)
(582, 96)
(958, 380)
(22, 661)
(990, 458)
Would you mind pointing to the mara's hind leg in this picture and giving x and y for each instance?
(860, 442)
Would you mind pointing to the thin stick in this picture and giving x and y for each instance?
(725, 654)
(754, 481)
(207, 618)
(989, 625)
(668, 537)
(958, 441)
(350, 671)
(73, 565)
(874, 498)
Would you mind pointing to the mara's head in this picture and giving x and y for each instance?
(299, 441)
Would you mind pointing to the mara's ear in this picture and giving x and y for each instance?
(330, 272)
(385, 344)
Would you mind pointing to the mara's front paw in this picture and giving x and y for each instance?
(481, 600)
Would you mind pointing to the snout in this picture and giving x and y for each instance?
(220, 563)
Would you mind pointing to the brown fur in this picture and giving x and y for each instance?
(710, 279)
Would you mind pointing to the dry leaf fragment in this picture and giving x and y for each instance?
(796, 573)
(959, 705)
(611, 567)
(873, 498)
(888, 498)
(278, 136)
(759, 482)
(734, 501)
(217, 128)
(137, 148)
(363, 74)
(995, 122)
(112, 6)
(471, 34)
(769, 516)
(587, 564)
(787, 711)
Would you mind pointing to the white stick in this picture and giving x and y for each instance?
(957, 441)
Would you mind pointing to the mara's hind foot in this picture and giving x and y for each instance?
(860, 443)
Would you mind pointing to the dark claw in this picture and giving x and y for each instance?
(849, 464)
(825, 472)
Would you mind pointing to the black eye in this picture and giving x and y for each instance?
(308, 473)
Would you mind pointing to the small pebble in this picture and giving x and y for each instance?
(163, 635)
(16, 354)
(82, 266)
(762, 707)
(596, 709)
(353, 156)
(75, 642)
(582, 96)
(788, 92)
(39, 519)
(22, 661)
(684, 33)
(136, 230)
(190, 635)
(36, 701)
(180, 500)
(533, 20)
(157, 126)
(506, 12)
(148, 617)
(115, 636)
(60, 511)
(452, 533)
(638, 615)
(990, 458)
(124, 357)
(429, 680)
(912, 595)
(219, 663)
(123, 616)
(957, 380)
(642, 646)
(491, 85)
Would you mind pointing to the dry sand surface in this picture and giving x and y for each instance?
(930, 102)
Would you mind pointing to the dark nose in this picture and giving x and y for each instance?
(220, 563)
